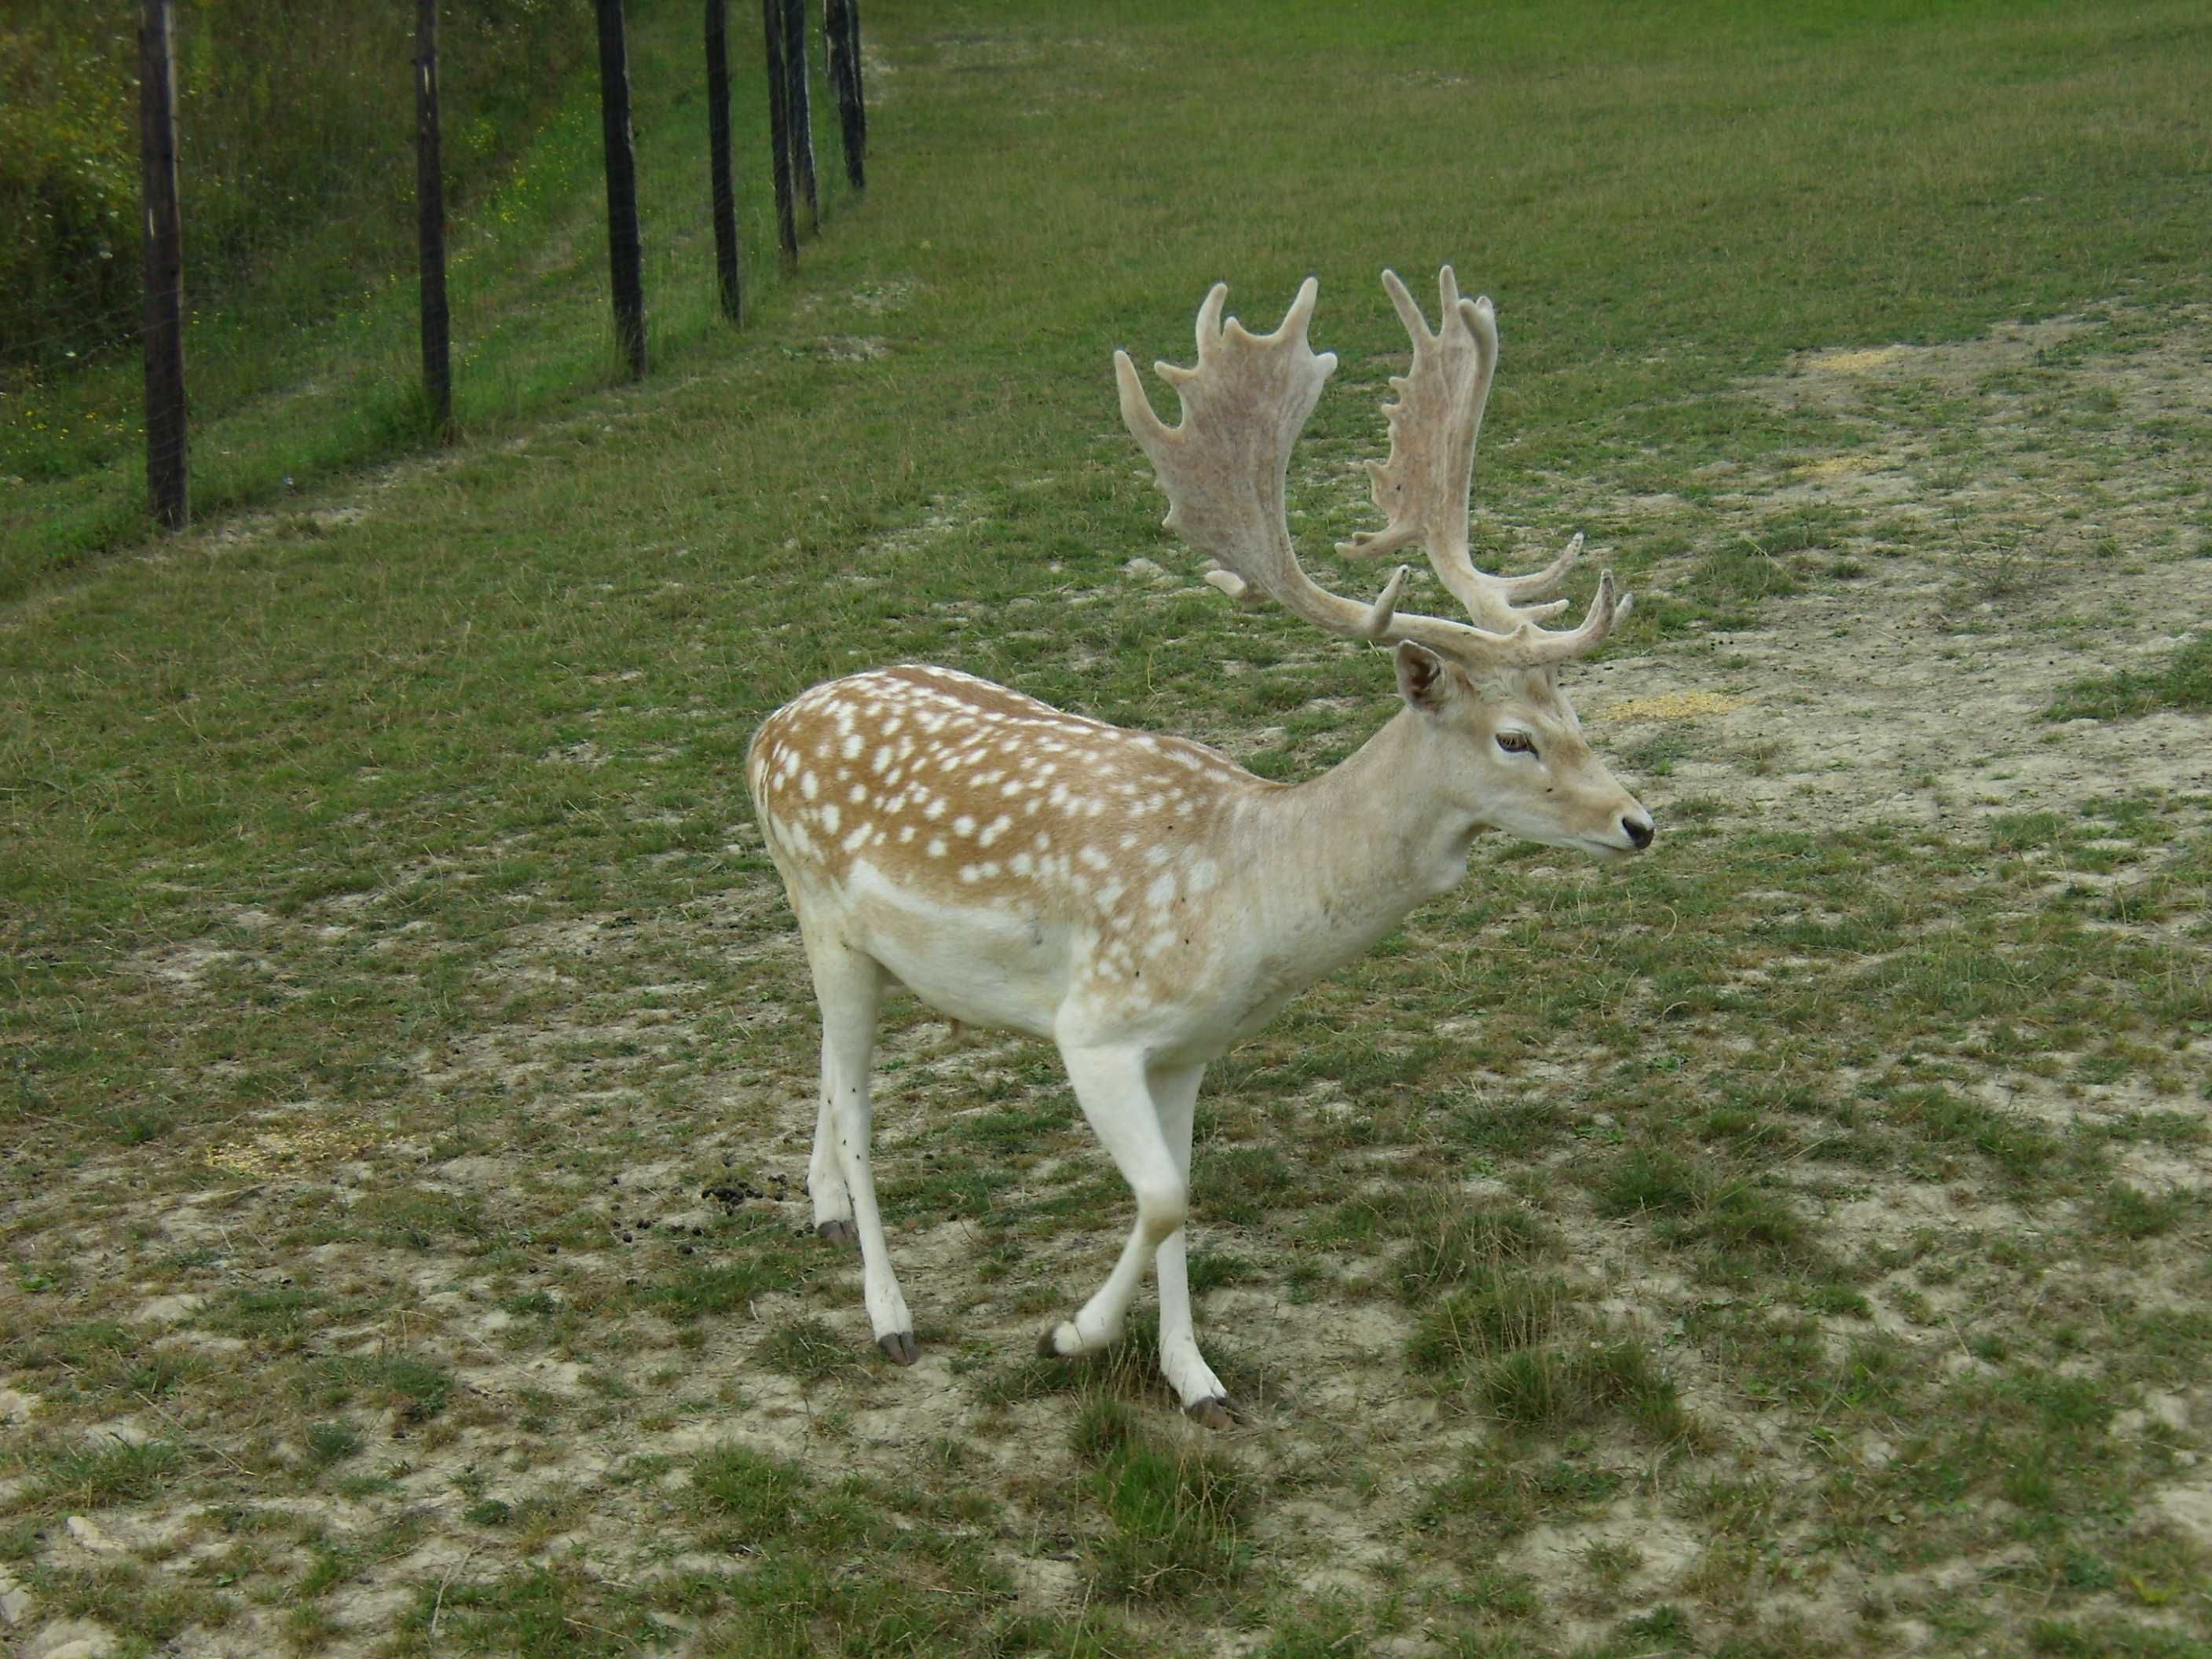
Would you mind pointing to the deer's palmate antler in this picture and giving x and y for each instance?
(1224, 469)
(1140, 900)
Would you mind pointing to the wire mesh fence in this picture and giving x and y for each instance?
(297, 164)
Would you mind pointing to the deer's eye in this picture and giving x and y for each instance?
(1516, 743)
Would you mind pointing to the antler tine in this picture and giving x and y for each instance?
(1535, 646)
(1537, 583)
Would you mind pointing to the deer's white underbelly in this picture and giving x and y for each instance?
(983, 964)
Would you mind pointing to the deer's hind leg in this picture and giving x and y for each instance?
(849, 985)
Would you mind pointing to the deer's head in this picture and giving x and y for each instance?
(1504, 746)
(1498, 731)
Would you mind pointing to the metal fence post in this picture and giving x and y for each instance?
(779, 127)
(625, 254)
(799, 102)
(430, 223)
(167, 471)
(841, 28)
(722, 196)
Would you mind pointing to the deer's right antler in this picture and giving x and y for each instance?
(1223, 466)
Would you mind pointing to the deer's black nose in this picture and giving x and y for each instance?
(1638, 829)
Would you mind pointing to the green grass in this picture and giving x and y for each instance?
(1174, 1512)
(1548, 1391)
(94, 1476)
(1793, 1244)
(810, 1349)
(416, 1389)
(2185, 681)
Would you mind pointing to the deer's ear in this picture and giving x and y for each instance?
(1422, 679)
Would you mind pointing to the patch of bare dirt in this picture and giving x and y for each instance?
(1917, 692)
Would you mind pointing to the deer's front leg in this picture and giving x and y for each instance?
(1111, 1087)
(1175, 1093)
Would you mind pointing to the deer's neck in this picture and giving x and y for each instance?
(1335, 863)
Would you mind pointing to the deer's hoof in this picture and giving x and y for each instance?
(1049, 1344)
(899, 1344)
(1214, 1412)
(837, 1232)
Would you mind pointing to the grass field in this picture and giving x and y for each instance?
(1796, 1243)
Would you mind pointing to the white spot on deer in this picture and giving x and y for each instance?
(936, 847)
(858, 838)
(1161, 894)
(906, 834)
(810, 786)
(1023, 864)
(857, 794)
(996, 828)
(970, 874)
(1203, 874)
(935, 809)
(882, 760)
(1093, 858)
(829, 817)
(963, 825)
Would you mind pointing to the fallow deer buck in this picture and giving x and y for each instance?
(1142, 901)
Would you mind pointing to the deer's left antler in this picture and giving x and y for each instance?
(1423, 490)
